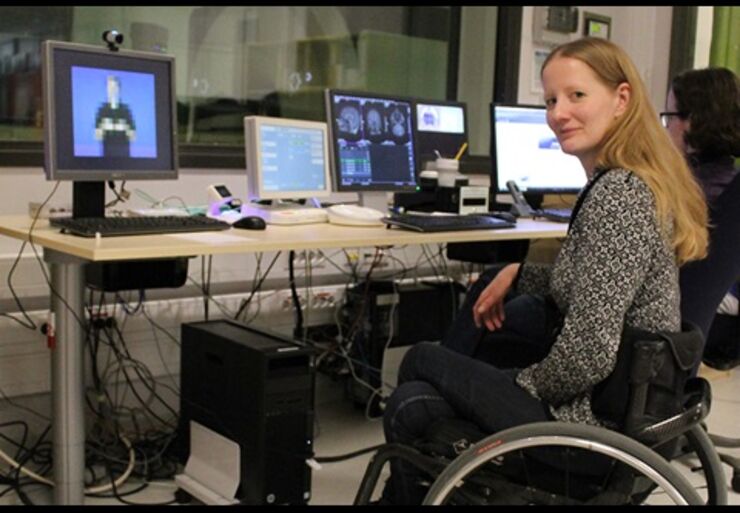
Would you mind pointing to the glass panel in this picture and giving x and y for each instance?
(234, 61)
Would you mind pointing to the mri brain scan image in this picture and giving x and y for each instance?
(398, 122)
(349, 120)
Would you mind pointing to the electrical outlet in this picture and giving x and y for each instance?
(305, 258)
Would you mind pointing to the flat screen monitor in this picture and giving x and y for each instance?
(525, 150)
(372, 141)
(440, 126)
(286, 158)
(109, 115)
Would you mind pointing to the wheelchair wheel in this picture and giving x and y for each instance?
(702, 446)
(558, 463)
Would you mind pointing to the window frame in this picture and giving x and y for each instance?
(24, 153)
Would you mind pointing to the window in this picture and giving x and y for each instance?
(233, 61)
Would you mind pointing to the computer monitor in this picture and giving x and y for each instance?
(108, 115)
(441, 126)
(525, 150)
(286, 158)
(372, 144)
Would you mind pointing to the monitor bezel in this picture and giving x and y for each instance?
(418, 133)
(255, 186)
(338, 186)
(52, 168)
(501, 188)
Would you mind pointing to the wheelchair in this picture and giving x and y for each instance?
(557, 463)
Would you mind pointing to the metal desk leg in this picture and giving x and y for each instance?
(67, 378)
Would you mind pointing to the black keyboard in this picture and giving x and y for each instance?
(144, 225)
(445, 223)
(560, 215)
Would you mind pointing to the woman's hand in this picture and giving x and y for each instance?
(489, 309)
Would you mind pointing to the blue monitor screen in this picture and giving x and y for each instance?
(373, 142)
(526, 150)
(113, 113)
(292, 158)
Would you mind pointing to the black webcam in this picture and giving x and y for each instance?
(112, 38)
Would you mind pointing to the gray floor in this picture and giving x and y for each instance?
(341, 428)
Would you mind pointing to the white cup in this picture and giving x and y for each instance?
(447, 170)
(445, 166)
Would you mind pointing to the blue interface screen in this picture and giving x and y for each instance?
(292, 158)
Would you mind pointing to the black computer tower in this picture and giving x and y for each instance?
(383, 314)
(257, 390)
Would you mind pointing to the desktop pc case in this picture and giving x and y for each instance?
(257, 390)
(382, 315)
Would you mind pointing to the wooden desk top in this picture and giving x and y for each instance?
(274, 238)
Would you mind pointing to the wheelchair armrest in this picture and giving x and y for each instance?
(698, 400)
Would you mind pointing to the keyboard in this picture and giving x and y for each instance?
(560, 215)
(445, 223)
(140, 225)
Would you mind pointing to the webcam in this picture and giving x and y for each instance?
(112, 38)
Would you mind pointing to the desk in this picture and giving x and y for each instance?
(68, 254)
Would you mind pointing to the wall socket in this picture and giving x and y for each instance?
(308, 257)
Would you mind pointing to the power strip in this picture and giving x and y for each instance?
(49, 211)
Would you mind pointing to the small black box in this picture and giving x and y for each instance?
(137, 274)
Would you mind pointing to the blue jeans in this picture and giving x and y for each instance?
(449, 381)
(522, 340)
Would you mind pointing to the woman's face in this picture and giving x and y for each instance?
(675, 125)
(580, 107)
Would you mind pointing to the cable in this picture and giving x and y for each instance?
(298, 330)
(31, 325)
(122, 479)
(342, 457)
(259, 285)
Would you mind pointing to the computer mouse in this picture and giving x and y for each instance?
(250, 223)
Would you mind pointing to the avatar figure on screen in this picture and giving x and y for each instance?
(114, 123)
(114, 113)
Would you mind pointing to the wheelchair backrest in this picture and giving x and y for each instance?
(648, 381)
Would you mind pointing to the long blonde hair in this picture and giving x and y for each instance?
(637, 141)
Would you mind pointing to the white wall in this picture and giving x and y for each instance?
(643, 32)
(475, 72)
(704, 24)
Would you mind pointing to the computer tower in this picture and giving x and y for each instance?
(256, 389)
(380, 316)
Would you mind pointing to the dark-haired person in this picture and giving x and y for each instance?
(703, 119)
(639, 217)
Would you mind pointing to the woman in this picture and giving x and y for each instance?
(640, 216)
(703, 119)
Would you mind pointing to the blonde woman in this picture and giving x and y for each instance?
(640, 216)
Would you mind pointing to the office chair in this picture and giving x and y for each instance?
(566, 464)
(705, 282)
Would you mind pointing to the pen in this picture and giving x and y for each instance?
(461, 151)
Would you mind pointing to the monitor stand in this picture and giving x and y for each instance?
(88, 199)
(534, 199)
(376, 199)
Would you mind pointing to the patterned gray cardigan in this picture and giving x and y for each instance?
(614, 268)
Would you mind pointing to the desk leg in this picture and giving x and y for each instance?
(67, 379)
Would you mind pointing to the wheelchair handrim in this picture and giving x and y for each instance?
(557, 440)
